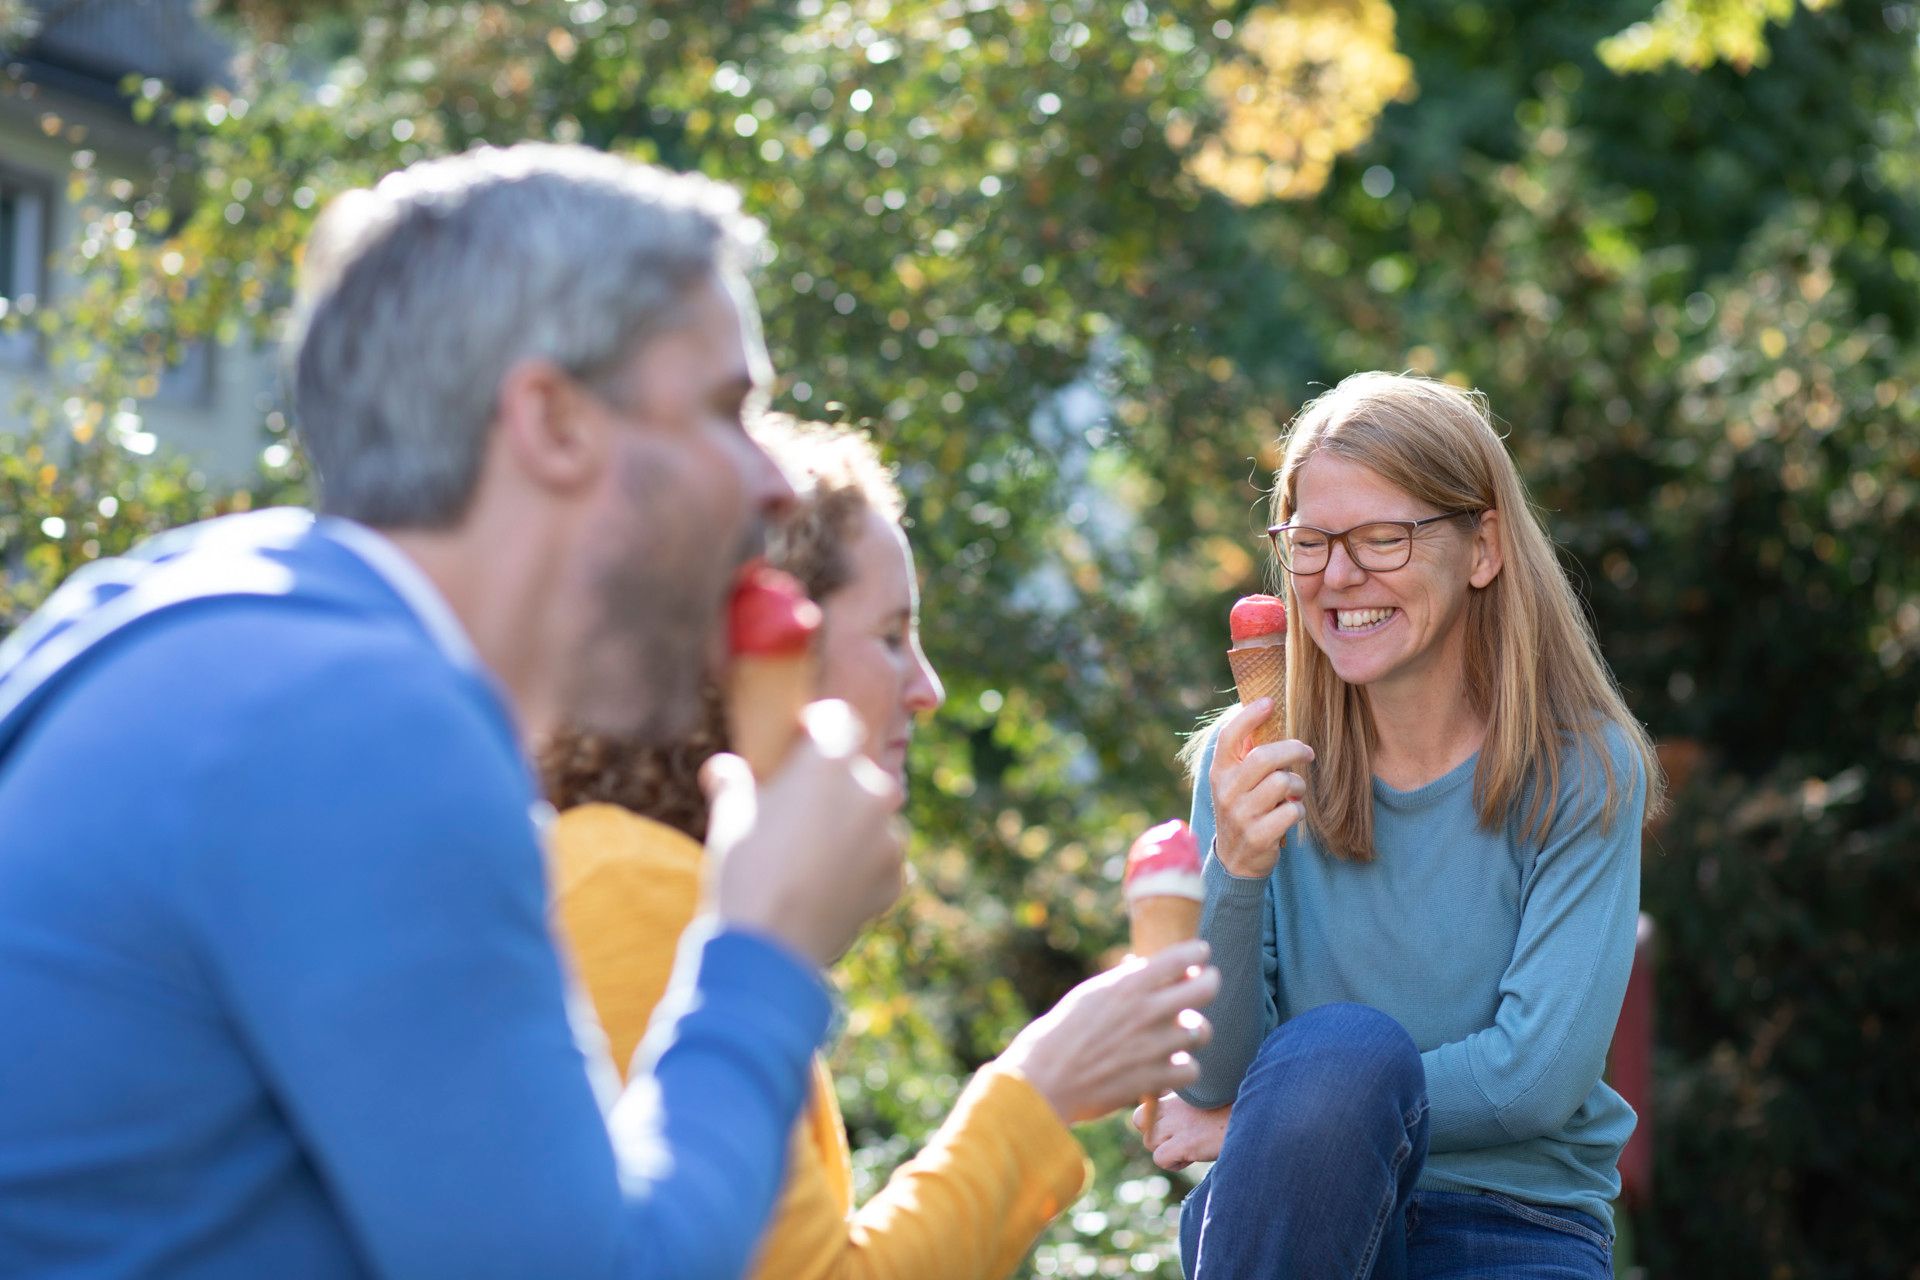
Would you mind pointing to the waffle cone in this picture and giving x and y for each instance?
(765, 696)
(1260, 671)
(1160, 921)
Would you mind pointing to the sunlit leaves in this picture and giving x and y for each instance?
(1301, 88)
(1699, 33)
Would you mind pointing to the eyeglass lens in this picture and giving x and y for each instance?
(1375, 547)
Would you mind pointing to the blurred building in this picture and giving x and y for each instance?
(62, 90)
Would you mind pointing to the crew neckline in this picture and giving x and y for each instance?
(1452, 779)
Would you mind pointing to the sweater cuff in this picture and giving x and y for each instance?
(770, 992)
(1056, 1167)
(1222, 883)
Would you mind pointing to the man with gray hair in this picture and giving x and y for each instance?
(279, 991)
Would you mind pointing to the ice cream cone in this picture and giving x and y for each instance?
(1162, 920)
(765, 696)
(1159, 922)
(770, 631)
(1165, 892)
(1260, 671)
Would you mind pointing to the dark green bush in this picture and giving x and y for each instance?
(1788, 1026)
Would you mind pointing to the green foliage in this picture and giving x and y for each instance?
(1689, 295)
(64, 503)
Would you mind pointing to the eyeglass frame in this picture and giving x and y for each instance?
(1411, 526)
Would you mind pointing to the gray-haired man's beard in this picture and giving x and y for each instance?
(640, 671)
(641, 682)
(661, 595)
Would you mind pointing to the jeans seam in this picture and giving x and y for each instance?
(1409, 1121)
(1551, 1221)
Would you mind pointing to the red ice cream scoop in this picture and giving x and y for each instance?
(769, 615)
(1257, 615)
(1167, 847)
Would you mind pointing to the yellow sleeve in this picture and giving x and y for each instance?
(968, 1207)
(624, 889)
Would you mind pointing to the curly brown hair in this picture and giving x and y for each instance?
(838, 477)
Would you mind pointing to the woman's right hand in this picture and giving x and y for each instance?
(1258, 793)
(1123, 1035)
(1183, 1134)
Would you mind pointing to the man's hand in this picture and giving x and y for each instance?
(1258, 793)
(1184, 1134)
(817, 852)
(1121, 1036)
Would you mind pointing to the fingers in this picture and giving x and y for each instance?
(1275, 790)
(1291, 754)
(834, 727)
(1171, 963)
(816, 849)
(1160, 993)
(1169, 1074)
(1269, 830)
(1167, 1006)
(731, 795)
(1165, 1158)
(1236, 780)
(1235, 731)
(722, 775)
(1177, 1037)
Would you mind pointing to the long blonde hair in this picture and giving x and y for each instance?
(1533, 666)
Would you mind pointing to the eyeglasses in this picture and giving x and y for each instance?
(1379, 546)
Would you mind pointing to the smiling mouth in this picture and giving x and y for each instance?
(1358, 622)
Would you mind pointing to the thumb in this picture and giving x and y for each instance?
(1238, 727)
(732, 801)
(723, 777)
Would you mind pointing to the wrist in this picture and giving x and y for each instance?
(1242, 866)
(1021, 1061)
(1236, 869)
(778, 925)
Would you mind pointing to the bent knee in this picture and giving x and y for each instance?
(1348, 1052)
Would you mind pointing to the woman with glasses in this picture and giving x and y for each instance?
(1423, 902)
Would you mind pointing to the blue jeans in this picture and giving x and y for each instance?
(1316, 1175)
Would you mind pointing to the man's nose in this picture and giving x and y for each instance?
(768, 488)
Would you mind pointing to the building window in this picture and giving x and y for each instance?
(24, 209)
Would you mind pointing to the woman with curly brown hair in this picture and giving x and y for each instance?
(627, 876)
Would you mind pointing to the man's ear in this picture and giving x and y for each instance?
(1487, 557)
(551, 428)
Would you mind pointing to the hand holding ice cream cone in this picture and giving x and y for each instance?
(1165, 894)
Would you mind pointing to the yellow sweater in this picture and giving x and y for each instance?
(968, 1207)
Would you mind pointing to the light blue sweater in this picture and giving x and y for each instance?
(1505, 958)
(277, 992)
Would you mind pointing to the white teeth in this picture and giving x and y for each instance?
(1356, 619)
